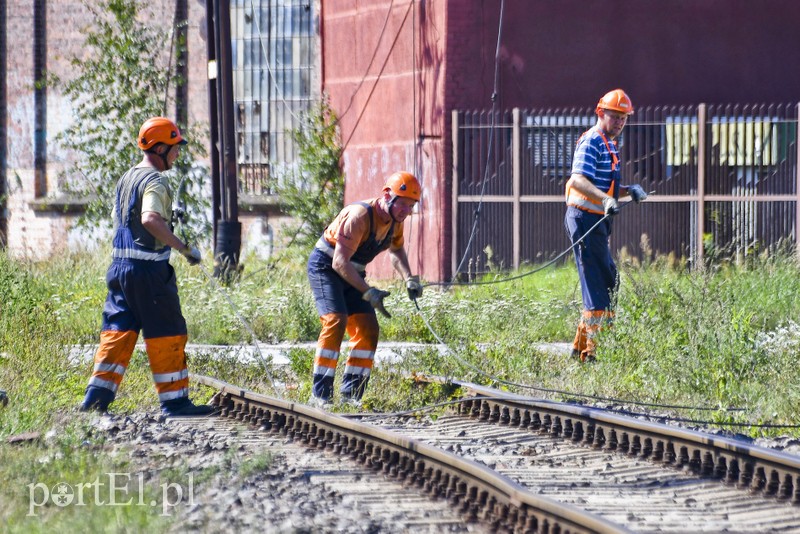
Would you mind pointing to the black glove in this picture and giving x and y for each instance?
(636, 193)
(192, 255)
(375, 297)
(610, 206)
(414, 287)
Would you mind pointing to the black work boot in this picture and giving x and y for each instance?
(97, 399)
(183, 407)
(3, 398)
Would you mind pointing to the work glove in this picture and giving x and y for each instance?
(192, 255)
(636, 193)
(414, 287)
(375, 297)
(610, 206)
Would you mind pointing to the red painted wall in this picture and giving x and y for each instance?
(553, 54)
(383, 71)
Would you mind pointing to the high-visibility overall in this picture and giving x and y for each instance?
(142, 295)
(340, 306)
(597, 159)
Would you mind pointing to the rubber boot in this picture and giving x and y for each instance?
(97, 398)
(183, 407)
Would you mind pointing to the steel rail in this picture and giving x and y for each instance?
(752, 467)
(479, 493)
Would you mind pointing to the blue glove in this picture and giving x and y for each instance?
(636, 193)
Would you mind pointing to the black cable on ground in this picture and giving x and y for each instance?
(560, 392)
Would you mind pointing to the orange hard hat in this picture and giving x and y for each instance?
(159, 130)
(616, 100)
(403, 184)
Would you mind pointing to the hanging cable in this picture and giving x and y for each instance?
(374, 54)
(492, 126)
(266, 58)
(378, 78)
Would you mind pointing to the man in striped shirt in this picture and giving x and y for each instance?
(592, 194)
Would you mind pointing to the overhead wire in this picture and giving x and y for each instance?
(378, 78)
(272, 75)
(371, 60)
(490, 149)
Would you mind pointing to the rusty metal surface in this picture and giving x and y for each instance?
(480, 493)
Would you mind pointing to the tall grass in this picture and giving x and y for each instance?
(720, 337)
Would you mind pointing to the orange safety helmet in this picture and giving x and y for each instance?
(616, 100)
(159, 130)
(403, 184)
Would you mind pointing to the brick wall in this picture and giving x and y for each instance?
(39, 233)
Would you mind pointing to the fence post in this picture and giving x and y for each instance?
(516, 173)
(455, 134)
(797, 187)
(701, 182)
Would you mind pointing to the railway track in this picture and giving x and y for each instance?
(524, 465)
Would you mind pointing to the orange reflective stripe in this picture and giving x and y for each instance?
(364, 331)
(321, 361)
(167, 387)
(166, 354)
(116, 347)
(365, 363)
(332, 333)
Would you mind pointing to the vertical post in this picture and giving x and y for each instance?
(516, 172)
(456, 133)
(797, 188)
(229, 229)
(211, 47)
(701, 182)
(39, 98)
(3, 131)
(182, 64)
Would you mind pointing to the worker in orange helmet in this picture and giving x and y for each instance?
(142, 293)
(592, 194)
(344, 300)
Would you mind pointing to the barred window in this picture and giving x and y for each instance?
(274, 55)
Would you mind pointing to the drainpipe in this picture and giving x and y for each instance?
(40, 98)
(3, 131)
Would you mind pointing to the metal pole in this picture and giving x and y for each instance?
(3, 131)
(211, 47)
(516, 188)
(701, 182)
(797, 189)
(39, 98)
(229, 229)
(455, 134)
(182, 64)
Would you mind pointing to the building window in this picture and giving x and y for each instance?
(274, 57)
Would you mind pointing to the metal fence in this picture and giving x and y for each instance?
(740, 171)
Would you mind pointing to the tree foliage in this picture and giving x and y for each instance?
(312, 192)
(123, 78)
